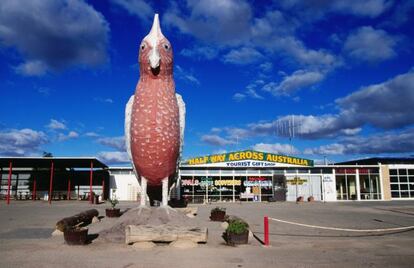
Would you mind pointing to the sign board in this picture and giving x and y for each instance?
(248, 158)
(296, 181)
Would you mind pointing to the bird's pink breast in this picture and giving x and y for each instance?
(155, 131)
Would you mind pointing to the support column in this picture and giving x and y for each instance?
(52, 169)
(381, 181)
(206, 201)
(68, 198)
(90, 184)
(192, 193)
(1, 178)
(165, 192)
(143, 191)
(103, 189)
(234, 190)
(16, 191)
(358, 186)
(178, 186)
(9, 182)
(34, 190)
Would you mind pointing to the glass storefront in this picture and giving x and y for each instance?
(369, 183)
(200, 189)
(323, 183)
(402, 183)
(346, 184)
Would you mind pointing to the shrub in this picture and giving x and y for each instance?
(237, 226)
(218, 209)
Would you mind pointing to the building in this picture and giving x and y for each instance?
(52, 178)
(260, 176)
(239, 176)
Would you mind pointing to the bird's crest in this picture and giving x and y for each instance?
(155, 35)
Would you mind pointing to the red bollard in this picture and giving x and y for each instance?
(266, 231)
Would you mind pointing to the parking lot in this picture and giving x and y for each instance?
(26, 241)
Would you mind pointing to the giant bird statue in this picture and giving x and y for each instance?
(155, 116)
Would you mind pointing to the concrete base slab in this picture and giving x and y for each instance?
(184, 244)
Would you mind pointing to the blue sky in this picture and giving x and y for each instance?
(309, 78)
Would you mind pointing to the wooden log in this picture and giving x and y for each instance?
(164, 233)
(70, 222)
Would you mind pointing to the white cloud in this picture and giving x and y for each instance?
(298, 80)
(329, 149)
(386, 105)
(91, 134)
(67, 33)
(114, 142)
(186, 75)
(32, 68)
(113, 157)
(266, 66)
(369, 44)
(104, 100)
(138, 8)
(220, 22)
(70, 135)
(253, 94)
(276, 148)
(239, 97)
(55, 124)
(384, 143)
(216, 140)
(23, 142)
(200, 52)
(315, 9)
(241, 56)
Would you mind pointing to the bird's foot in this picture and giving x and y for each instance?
(168, 209)
(165, 213)
(143, 209)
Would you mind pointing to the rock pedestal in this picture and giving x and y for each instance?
(164, 233)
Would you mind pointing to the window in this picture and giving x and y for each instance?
(394, 179)
(402, 172)
(402, 183)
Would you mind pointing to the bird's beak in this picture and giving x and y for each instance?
(154, 58)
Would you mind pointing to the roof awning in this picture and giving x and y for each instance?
(58, 162)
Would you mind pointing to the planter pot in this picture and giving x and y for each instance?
(236, 239)
(311, 199)
(113, 212)
(218, 215)
(76, 236)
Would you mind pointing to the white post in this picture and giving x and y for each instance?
(260, 191)
(381, 180)
(206, 191)
(165, 192)
(143, 191)
(234, 189)
(358, 186)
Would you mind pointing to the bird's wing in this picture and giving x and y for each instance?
(128, 111)
(181, 112)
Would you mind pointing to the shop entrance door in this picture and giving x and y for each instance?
(279, 186)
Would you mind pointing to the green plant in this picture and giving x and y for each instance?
(237, 226)
(113, 201)
(218, 209)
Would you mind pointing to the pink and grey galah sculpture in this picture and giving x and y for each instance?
(155, 116)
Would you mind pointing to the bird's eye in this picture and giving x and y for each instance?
(142, 46)
(166, 47)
